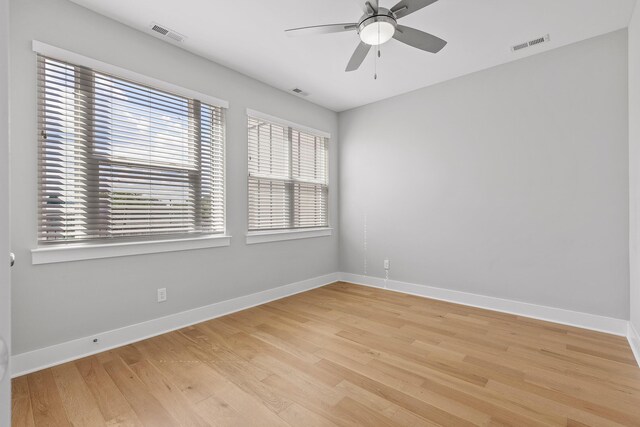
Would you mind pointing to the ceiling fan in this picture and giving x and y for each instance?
(379, 25)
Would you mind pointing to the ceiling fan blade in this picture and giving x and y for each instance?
(321, 29)
(405, 7)
(419, 39)
(368, 6)
(358, 56)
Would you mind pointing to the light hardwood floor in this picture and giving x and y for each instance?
(346, 355)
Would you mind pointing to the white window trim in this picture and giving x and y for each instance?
(254, 237)
(86, 251)
(78, 252)
(85, 61)
(259, 115)
(265, 236)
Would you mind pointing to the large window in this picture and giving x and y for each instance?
(120, 159)
(288, 176)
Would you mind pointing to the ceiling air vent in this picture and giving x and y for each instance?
(166, 32)
(299, 91)
(539, 40)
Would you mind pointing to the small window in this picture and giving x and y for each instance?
(120, 159)
(288, 177)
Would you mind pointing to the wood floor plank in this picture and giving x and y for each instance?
(20, 387)
(362, 414)
(346, 355)
(112, 404)
(310, 400)
(235, 371)
(406, 400)
(21, 413)
(297, 415)
(167, 394)
(253, 411)
(80, 406)
(399, 415)
(550, 405)
(220, 413)
(46, 404)
(191, 376)
(148, 409)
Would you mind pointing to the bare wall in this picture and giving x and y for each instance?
(5, 285)
(511, 182)
(634, 167)
(59, 302)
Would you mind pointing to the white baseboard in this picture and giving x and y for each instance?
(42, 358)
(634, 341)
(558, 315)
(35, 360)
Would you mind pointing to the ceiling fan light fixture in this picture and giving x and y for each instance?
(377, 30)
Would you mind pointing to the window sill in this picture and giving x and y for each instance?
(78, 252)
(254, 237)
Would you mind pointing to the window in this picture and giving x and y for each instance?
(119, 159)
(288, 176)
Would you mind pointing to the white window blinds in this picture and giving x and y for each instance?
(288, 177)
(121, 159)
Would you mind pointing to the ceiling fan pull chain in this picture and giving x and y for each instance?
(375, 65)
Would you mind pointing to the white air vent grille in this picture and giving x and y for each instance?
(166, 32)
(159, 29)
(520, 46)
(539, 40)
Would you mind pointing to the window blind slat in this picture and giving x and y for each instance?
(121, 159)
(288, 177)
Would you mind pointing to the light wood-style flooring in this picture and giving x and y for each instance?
(346, 355)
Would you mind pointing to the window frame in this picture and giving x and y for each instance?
(274, 235)
(60, 251)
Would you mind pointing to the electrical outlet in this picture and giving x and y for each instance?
(386, 264)
(162, 294)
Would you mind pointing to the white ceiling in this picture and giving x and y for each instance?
(248, 36)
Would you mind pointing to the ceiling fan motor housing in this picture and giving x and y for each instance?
(378, 28)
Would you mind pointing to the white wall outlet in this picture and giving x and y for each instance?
(386, 264)
(162, 294)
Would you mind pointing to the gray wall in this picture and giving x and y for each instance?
(59, 302)
(5, 285)
(634, 166)
(511, 182)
